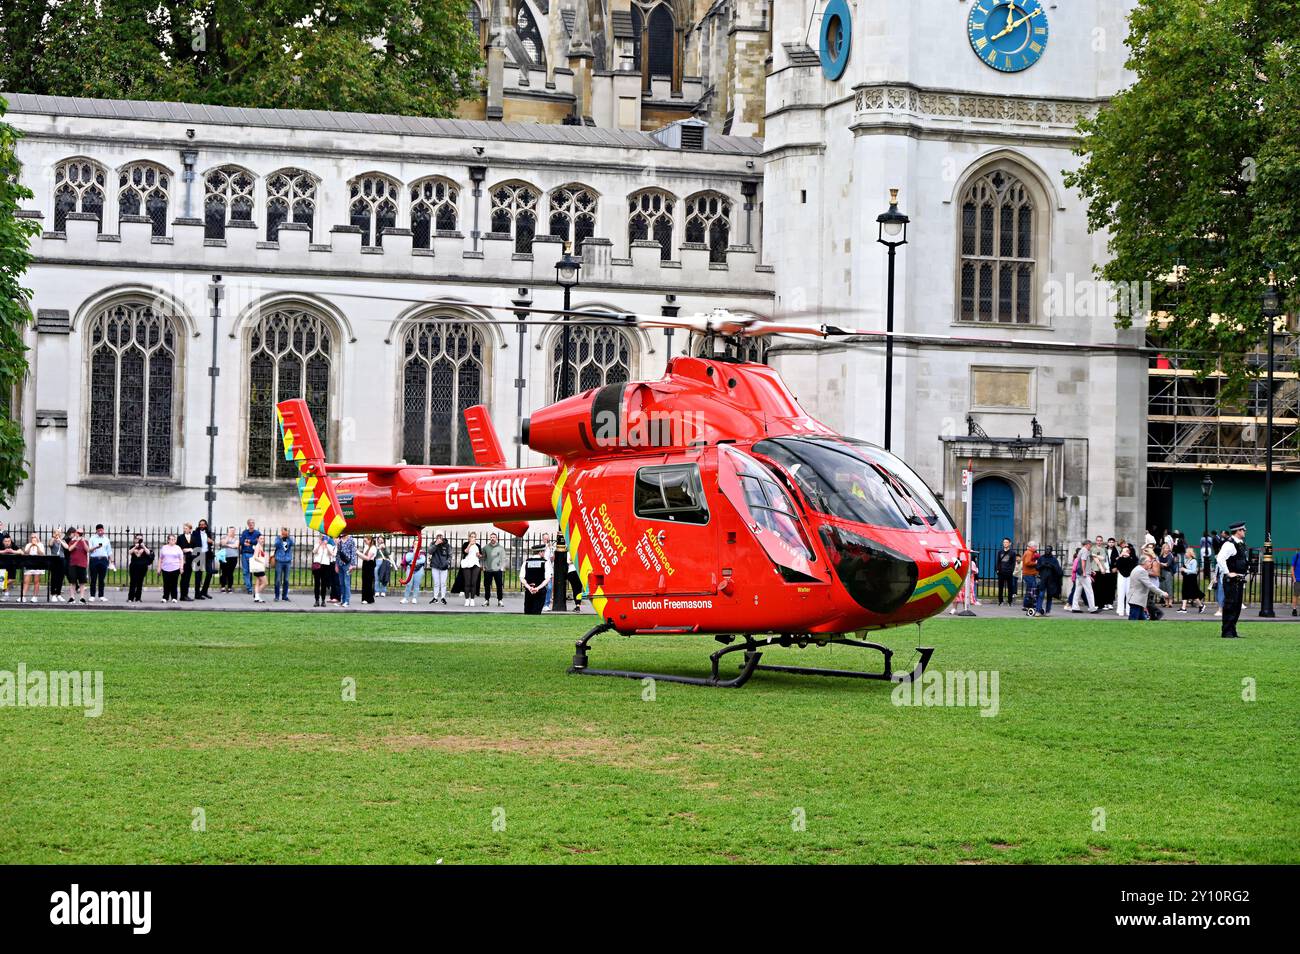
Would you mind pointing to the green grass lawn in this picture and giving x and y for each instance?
(461, 721)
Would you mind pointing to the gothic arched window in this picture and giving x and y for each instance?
(514, 213)
(143, 190)
(530, 36)
(433, 209)
(290, 355)
(228, 198)
(133, 363)
(660, 34)
(79, 186)
(373, 207)
(573, 214)
(597, 356)
(442, 375)
(290, 197)
(997, 244)
(650, 218)
(708, 222)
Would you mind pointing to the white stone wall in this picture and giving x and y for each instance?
(77, 271)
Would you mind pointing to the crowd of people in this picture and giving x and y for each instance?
(1139, 581)
(189, 560)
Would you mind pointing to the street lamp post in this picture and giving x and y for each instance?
(566, 275)
(892, 233)
(215, 292)
(523, 298)
(669, 309)
(1272, 309)
(1207, 488)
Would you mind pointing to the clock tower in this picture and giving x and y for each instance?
(968, 108)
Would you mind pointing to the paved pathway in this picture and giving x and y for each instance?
(514, 603)
(298, 602)
(1249, 614)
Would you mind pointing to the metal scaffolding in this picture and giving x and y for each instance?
(1193, 425)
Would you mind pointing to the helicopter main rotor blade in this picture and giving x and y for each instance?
(722, 322)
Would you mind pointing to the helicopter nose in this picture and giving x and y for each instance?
(878, 578)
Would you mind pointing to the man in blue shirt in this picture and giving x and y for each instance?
(247, 544)
(283, 562)
(101, 555)
(344, 560)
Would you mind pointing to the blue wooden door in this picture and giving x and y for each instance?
(993, 515)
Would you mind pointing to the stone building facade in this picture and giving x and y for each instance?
(358, 255)
(697, 153)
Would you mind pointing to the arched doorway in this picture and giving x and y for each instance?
(993, 516)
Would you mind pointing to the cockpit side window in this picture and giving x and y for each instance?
(674, 492)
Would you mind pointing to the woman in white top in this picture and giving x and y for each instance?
(31, 576)
(471, 570)
(257, 564)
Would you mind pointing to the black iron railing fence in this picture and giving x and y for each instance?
(1283, 580)
(395, 545)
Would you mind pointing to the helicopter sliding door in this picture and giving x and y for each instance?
(769, 514)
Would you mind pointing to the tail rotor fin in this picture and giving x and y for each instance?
(302, 446)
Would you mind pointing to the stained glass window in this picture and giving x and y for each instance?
(514, 213)
(530, 36)
(659, 24)
(650, 218)
(132, 352)
(573, 214)
(597, 356)
(290, 197)
(442, 375)
(373, 207)
(79, 186)
(228, 198)
(708, 222)
(291, 354)
(433, 209)
(143, 190)
(997, 250)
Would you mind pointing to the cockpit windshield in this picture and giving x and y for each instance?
(857, 481)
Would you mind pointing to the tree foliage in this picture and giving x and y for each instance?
(1197, 164)
(15, 256)
(414, 57)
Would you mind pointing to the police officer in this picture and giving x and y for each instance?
(535, 575)
(1233, 561)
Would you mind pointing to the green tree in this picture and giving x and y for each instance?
(15, 256)
(1197, 164)
(415, 57)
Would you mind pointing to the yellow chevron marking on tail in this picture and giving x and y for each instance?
(563, 504)
(320, 505)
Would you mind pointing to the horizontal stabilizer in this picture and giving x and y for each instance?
(516, 528)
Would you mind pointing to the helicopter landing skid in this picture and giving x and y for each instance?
(751, 647)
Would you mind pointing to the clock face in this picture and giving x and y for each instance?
(1008, 35)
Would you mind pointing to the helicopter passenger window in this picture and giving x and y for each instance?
(673, 492)
(838, 482)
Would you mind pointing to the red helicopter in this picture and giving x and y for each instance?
(705, 503)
